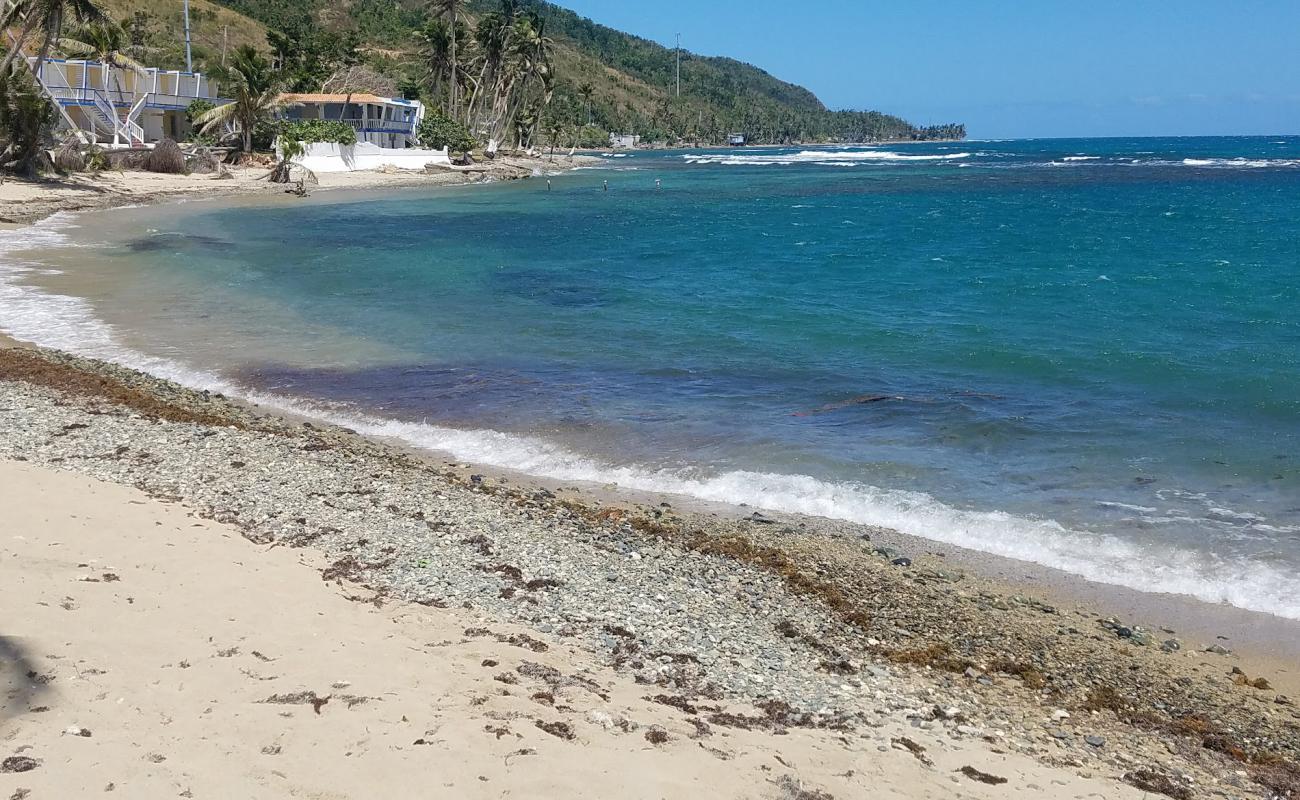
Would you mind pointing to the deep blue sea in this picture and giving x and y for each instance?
(1082, 353)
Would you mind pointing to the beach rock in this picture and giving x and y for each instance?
(1095, 741)
(1218, 650)
(902, 562)
(1140, 637)
(1171, 645)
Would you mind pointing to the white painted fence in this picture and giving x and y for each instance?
(332, 157)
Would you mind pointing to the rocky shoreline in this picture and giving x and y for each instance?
(806, 623)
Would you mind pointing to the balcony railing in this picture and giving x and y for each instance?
(376, 125)
(119, 98)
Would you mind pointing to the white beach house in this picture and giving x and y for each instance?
(387, 122)
(123, 108)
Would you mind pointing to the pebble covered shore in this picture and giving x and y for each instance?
(803, 622)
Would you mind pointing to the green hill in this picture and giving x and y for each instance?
(631, 79)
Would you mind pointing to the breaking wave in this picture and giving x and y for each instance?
(825, 157)
(1248, 163)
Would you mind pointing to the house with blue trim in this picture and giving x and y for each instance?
(387, 122)
(122, 107)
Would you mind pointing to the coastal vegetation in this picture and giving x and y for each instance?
(437, 130)
(26, 116)
(308, 131)
(256, 89)
(494, 74)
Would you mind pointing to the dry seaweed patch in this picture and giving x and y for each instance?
(562, 730)
(674, 701)
(1153, 780)
(918, 751)
(1278, 774)
(937, 656)
(779, 715)
(738, 548)
(1031, 676)
(19, 764)
(982, 777)
(779, 562)
(29, 366)
(656, 735)
(301, 698)
(792, 789)
(1282, 780)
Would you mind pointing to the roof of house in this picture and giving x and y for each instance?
(343, 98)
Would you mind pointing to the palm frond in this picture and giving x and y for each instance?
(123, 61)
(72, 47)
(217, 116)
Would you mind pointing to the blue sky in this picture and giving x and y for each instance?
(1017, 68)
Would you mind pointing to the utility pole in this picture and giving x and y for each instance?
(679, 63)
(189, 63)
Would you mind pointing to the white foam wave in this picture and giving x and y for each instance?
(70, 324)
(823, 157)
(1242, 163)
(1081, 158)
(1098, 557)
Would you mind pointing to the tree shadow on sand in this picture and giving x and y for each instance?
(20, 682)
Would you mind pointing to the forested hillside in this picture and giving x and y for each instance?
(596, 79)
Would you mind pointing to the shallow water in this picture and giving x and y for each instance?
(1080, 353)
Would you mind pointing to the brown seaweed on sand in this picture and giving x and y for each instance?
(982, 777)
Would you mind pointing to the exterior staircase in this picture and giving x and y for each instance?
(119, 122)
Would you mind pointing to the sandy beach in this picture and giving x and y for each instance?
(154, 653)
(24, 202)
(488, 620)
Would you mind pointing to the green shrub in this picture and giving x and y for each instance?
(308, 131)
(197, 109)
(439, 130)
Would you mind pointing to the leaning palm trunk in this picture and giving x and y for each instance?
(53, 27)
(17, 44)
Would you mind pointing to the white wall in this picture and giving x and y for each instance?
(331, 157)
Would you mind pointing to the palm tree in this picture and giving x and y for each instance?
(26, 118)
(492, 35)
(529, 57)
(585, 91)
(451, 9)
(49, 16)
(107, 43)
(442, 73)
(257, 92)
(291, 149)
(554, 130)
(435, 38)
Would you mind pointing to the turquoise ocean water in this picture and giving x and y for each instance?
(1080, 353)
